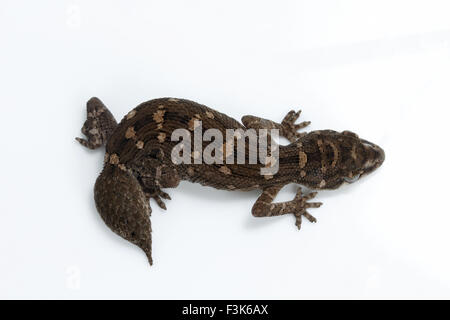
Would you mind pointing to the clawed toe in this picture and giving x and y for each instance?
(302, 125)
(160, 203)
(304, 213)
(164, 195)
(298, 220)
(313, 204)
(309, 217)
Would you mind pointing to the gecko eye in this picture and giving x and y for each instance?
(352, 179)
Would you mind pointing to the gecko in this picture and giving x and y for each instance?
(138, 165)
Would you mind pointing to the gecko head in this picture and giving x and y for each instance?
(338, 158)
(99, 125)
(363, 158)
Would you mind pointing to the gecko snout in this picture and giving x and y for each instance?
(375, 157)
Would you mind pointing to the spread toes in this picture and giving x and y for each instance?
(302, 204)
(289, 128)
(157, 195)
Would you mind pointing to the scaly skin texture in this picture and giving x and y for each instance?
(138, 163)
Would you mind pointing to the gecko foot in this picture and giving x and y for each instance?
(301, 204)
(157, 195)
(289, 128)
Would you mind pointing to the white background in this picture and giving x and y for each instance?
(379, 68)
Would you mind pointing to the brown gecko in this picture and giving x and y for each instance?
(138, 163)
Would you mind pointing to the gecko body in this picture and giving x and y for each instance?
(139, 165)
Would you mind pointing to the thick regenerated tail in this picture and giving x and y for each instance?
(123, 206)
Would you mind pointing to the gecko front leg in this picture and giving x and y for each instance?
(288, 128)
(264, 206)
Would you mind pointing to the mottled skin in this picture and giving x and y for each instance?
(138, 162)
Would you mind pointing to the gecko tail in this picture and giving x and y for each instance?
(124, 208)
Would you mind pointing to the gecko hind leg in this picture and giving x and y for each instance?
(264, 207)
(99, 125)
(155, 175)
(288, 128)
